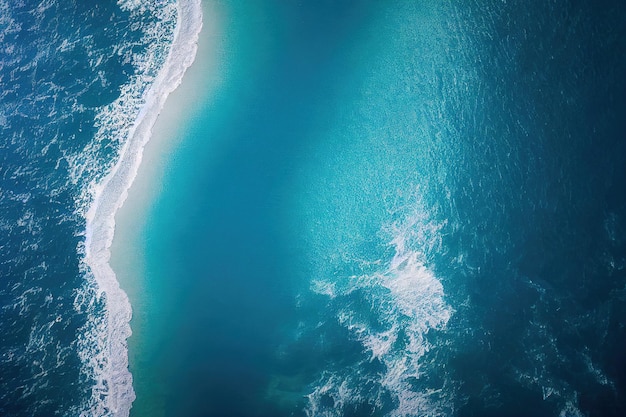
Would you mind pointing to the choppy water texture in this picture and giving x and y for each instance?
(409, 208)
(74, 78)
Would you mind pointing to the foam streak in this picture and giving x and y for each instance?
(110, 194)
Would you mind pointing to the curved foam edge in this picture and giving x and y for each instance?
(109, 196)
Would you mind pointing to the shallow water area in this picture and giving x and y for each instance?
(130, 240)
(220, 290)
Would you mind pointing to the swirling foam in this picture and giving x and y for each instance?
(406, 302)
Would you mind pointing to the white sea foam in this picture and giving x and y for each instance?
(408, 302)
(104, 347)
(571, 410)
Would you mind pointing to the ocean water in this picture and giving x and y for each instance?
(402, 208)
(396, 209)
(81, 83)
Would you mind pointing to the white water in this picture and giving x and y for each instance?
(409, 301)
(114, 394)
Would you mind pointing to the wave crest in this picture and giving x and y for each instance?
(129, 119)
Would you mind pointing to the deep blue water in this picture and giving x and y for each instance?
(410, 208)
(72, 77)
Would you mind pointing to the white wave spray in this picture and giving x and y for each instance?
(408, 303)
(113, 393)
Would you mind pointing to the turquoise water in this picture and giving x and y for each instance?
(242, 293)
(398, 209)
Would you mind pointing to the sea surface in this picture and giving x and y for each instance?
(385, 208)
(80, 84)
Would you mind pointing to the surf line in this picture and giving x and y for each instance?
(109, 196)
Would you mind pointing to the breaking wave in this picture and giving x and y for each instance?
(394, 313)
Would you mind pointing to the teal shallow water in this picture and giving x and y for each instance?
(221, 259)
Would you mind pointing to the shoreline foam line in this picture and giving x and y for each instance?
(109, 196)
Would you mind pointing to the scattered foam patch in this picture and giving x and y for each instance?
(399, 307)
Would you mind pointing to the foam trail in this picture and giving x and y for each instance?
(110, 194)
